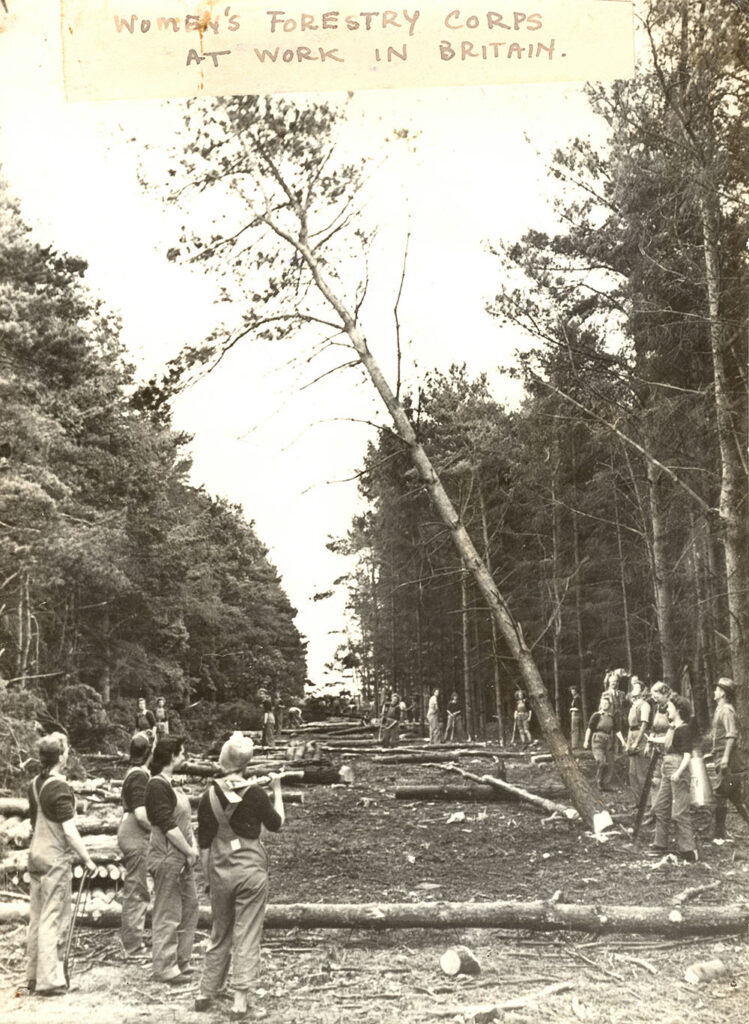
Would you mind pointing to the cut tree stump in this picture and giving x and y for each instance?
(539, 916)
(459, 960)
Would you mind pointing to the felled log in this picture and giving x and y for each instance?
(522, 794)
(421, 757)
(313, 774)
(14, 806)
(101, 850)
(536, 916)
(468, 794)
(459, 960)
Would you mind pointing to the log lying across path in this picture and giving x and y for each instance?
(470, 794)
(434, 757)
(522, 794)
(538, 916)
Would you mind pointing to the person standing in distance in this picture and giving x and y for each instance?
(433, 717)
(145, 720)
(172, 853)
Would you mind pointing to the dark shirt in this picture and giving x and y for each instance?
(682, 740)
(57, 800)
(144, 720)
(601, 721)
(134, 789)
(160, 802)
(254, 810)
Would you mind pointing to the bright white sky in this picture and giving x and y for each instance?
(258, 439)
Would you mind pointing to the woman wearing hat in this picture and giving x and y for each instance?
(54, 840)
(235, 866)
(132, 839)
(171, 856)
(727, 757)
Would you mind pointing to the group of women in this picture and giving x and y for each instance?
(156, 837)
(663, 721)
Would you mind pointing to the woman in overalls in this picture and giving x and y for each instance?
(171, 856)
(132, 839)
(54, 840)
(672, 802)
(235, 867)
(599, 737)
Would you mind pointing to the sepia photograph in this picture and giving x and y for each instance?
(374, 527)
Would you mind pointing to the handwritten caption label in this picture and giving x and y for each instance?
(120, 49)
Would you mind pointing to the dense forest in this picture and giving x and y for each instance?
(611, 506)
(118, 578)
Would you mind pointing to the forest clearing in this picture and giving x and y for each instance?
(353, 844)
(518, 376)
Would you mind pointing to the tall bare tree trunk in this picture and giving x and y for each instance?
(584, 797)
(467, 685)
(623, 585)
(495, 652)
(556, 595)
(663, 590)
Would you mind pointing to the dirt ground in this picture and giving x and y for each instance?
(358, 844)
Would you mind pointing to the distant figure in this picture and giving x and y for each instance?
(576, 732)
(391, 722)
(144, 719)
(522, 719)
(453, 730)
(160, 715)
(295, 717)
(269, 726)
(383, 711)
(433, 718)
(280, 713)
(727, 757)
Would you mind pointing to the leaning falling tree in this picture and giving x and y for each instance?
(291, 245)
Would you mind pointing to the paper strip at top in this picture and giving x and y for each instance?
(128, 49)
